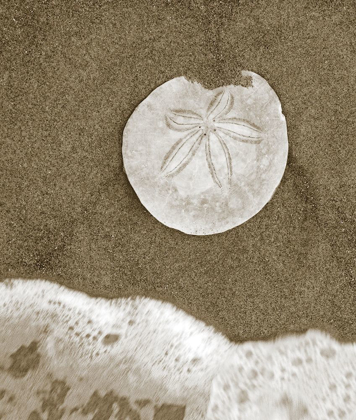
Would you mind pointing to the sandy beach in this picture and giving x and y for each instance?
(71, 75)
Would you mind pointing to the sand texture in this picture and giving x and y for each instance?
(71, 75)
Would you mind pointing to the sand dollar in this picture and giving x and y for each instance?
(204, 161)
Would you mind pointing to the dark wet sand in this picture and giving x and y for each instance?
(71, 75)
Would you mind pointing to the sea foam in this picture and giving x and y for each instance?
(139, 357)
(65, 355)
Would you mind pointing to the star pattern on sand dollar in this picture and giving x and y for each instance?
(214, 129)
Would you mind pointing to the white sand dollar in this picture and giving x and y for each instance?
(204, 161)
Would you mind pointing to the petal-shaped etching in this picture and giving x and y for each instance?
(181, 153)
(210, 162)
(216, 151)
(235, 136)
(183, 120)
(176, 124)
(240, 122)
(187, 113)
(240, 129)
(220, 105)
(227, 156)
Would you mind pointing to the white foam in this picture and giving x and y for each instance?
(139, 346)
(310, 376)
(143, 348)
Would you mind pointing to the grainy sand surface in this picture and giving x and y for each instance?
(72, 73)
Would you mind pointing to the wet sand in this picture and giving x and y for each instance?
(70, 78)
